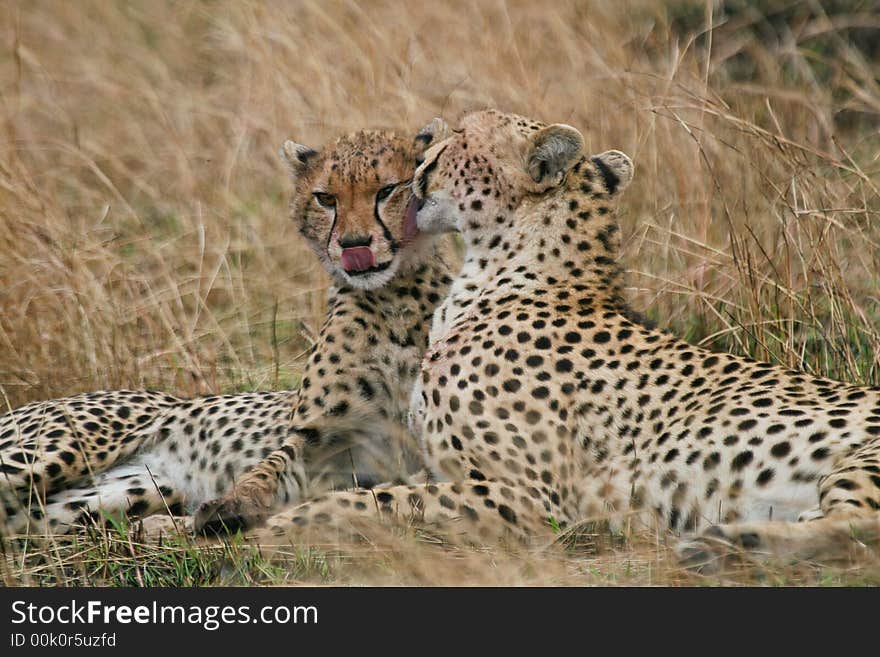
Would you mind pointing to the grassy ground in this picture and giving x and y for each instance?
(144, 242)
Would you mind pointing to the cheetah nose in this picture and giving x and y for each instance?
(347, 241)
(358, 258)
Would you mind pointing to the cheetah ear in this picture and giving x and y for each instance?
(553, 151)
(435, 131)
(615, 168)
(297, 157)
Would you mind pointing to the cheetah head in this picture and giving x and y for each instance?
(350, 201)
(473, 181)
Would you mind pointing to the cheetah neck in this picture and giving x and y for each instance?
(573, 234)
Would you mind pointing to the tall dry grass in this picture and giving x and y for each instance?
(143, 230)
(144, 236)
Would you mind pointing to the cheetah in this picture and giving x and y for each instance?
(542, 402)
(145, 452)
(355, 390)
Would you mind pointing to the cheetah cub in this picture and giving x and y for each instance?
(349, 423)
(542, 402)
(144, 452)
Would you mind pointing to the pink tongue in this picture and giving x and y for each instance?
(410, 227)
(358, 258)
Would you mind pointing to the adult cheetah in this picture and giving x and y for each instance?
(144, 452)
(540, 398)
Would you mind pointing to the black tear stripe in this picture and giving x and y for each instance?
(610, 178)
(423, 181)
(332, 226)
(388, 235)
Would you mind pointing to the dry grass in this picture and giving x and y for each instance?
(143, 236)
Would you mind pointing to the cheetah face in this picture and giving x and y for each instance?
(473, 181)
(350, 201)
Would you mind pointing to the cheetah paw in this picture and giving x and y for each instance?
(227, 515)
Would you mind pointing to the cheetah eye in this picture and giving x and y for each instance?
(325, 200)
(385, 192)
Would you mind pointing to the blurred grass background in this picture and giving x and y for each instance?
(144, 239)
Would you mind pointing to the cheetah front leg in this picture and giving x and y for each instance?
(254, 495)
(473, 511)
(338, 455)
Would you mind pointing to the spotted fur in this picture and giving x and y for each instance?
(542, 402)
(141, 452)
